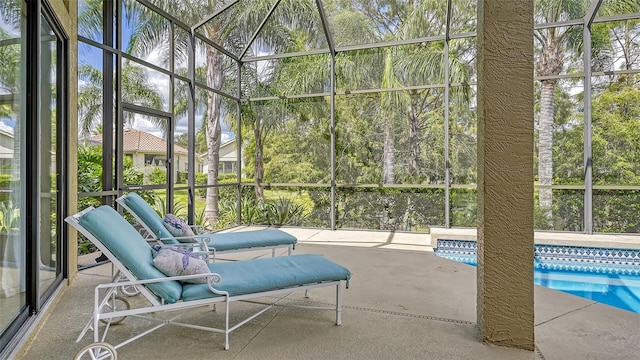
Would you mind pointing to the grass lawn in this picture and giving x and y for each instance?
(298, 197)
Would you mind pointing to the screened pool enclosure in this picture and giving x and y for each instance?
(348, 114)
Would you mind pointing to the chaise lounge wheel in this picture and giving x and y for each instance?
(117, 303)
(97, 351)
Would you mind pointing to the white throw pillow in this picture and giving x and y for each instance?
(174, 261)
(176, 226)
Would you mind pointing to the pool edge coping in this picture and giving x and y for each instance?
(599, 240)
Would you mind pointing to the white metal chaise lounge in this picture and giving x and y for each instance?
(217, 243)
(226, 283)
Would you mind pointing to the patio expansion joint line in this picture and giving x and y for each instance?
(387, 312)
(567, 313)
(416, 316)
(537, 350)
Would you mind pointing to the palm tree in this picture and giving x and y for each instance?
(281, 78)
(622, 33)
(553, 45)
(402, 112)
(11, 12)
(230, 29)
(390, 103)
(11, 62)
(10, 53)
(260, 118)
(9, 72)
(408, 65)
(136, 89)
(426, 64)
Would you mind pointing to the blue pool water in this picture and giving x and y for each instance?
(615, 285)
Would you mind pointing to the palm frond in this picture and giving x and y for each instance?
(10, 12)
(90, 19)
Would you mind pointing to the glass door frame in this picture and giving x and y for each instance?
(169, 162)
(61, 149)
(36, 12)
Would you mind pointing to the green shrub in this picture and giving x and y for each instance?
(132, 176)
(277, 212)
(201, 179)
(283, 211)
(159, 204)
(89, 168)
(6, 182)
(9, 217)
(158, 176)
(85, 246)
(223, 179)
(227, 178)
(183, 177)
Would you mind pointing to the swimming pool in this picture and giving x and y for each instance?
(615, 284)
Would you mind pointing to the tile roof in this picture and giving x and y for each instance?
(140, 141)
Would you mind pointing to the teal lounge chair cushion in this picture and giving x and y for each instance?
(251, 276)
(249, 239)
(122, 239)
(218, 241)
(149, 216)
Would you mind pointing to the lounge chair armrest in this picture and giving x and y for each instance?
(195, 239)
(192, 238)
(214, 278)
(197, 229)
(199, 249)
(202, 254)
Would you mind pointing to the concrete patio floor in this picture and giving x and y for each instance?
(404, 303)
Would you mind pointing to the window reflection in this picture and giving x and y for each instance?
(12, 110)
(49, 92)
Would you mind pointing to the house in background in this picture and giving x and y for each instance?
(228, 159)
(149, 151)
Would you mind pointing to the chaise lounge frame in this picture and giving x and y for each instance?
(203, 238)
(105, 295)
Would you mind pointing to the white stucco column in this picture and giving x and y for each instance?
(505, 172)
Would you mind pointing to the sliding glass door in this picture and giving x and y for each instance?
(32, 127)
